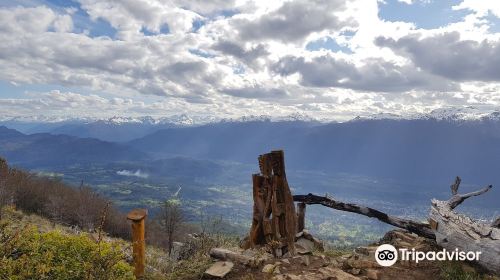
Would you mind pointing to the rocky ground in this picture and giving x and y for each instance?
(313, 264)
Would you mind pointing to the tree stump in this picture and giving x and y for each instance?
(274, 218)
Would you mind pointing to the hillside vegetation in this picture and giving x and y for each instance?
(30, 251)
(80, 207)
(50, 230)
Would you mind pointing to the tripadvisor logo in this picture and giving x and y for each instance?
(387, 255)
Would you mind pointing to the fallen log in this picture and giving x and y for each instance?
(455, 230)
(450, 230)
(421, 229)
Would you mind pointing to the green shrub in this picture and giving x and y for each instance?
(27, 254)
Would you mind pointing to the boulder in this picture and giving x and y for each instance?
(219, 269)
(304, 246)
(177, 249)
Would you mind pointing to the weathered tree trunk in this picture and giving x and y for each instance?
(454, 230)
(412, 226)
(274, 217)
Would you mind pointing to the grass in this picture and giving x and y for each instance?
(452, 270)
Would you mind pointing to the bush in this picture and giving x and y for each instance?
(27, 254)
(58, 201)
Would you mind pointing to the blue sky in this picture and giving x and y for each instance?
(327, 59)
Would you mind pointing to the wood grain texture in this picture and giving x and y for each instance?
(274, 217)
(455, 230)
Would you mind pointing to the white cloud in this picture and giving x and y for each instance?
(21, 21)
(137, 173)
(129, 17)
(481, 7)
(63, 23)
(250, 61)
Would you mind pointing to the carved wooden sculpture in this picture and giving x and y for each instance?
(274, 218)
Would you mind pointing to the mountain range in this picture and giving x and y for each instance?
(427, 151)
(44, 149)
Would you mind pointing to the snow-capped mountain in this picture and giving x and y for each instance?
(451, 114)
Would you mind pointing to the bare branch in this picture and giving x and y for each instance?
(457, 199)
(421, 229)
(454, 187)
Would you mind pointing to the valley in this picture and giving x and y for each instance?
(209, 167)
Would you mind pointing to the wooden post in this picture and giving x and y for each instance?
(301, 214)
(137, 217)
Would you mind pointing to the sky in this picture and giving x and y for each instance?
(332, 60)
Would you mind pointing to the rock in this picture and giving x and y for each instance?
(177, 248)
(304, 246)
(362, 250)
(305, 260)
(362, 263)
(372, 274)
(355, 271)
(225, 255)
(268, 268)
(219, 269)
(285, 261)
(335, 273)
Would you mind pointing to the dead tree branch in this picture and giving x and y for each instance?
(421, 229)
(455, 230)
(457, 199)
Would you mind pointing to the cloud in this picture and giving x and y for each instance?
(21, 20)
(294, 21)
(137, 173)
(158, 65)
(207, 7)
(248, 56)
(448, 56)
(257, 92)
(232, 58)
(373, 75)
(481, 7)
(130, 16)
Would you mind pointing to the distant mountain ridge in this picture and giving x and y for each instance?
(426, 152)
(468, 113)
(48, 149)
(421, 150)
